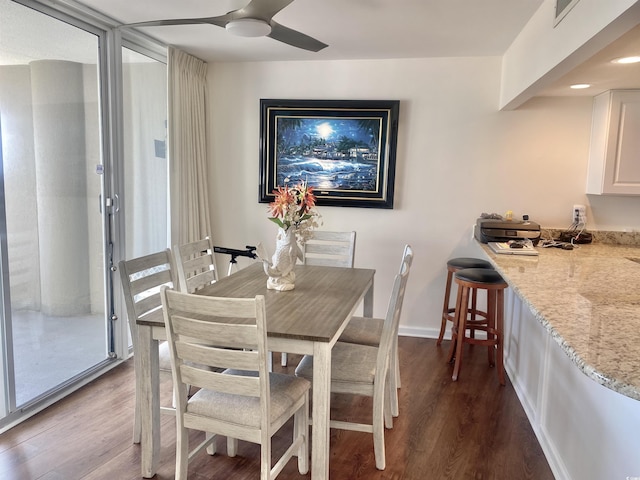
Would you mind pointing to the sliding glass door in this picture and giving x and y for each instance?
(54, 274)
(145, 166)
(84, 183)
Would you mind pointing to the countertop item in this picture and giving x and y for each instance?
(588, 299)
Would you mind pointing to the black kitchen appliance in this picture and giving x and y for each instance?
(492, 230)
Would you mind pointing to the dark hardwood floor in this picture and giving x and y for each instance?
(470, 429)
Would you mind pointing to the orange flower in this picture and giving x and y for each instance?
(307, 199)
(293, 206)
(280, 206)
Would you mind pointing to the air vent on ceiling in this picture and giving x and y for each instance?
(562, 8)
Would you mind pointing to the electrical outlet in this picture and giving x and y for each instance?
(579, 214)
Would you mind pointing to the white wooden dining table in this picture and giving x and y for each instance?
(307, 320)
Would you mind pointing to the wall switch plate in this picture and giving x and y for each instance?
(579, 214)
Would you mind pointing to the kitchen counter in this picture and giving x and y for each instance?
(588, 299)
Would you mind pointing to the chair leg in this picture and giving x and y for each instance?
(445, 308)
(211, 448)
(394, 380)
(461, 314)
(500, 328)
(474, 308)
(389, 394)
(396, 359)
(137, 428)
(182, 452)
(455, 329)
(491, 325)
(265, 460)
(232, 446)
(301, 428)
(378, 432)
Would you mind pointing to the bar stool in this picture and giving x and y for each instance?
(453, 265)
(473, 279)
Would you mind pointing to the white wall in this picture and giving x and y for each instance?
(458, 156)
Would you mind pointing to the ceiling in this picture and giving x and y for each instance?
(353, 29)
(600, 72)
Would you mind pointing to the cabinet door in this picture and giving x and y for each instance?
(614, 158)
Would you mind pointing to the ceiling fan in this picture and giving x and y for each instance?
(253, 20)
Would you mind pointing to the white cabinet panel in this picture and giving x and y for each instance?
(587, 431)
(614, 155)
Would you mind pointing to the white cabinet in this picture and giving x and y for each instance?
(614, 154)
(587, 431)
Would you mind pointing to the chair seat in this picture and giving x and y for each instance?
(481, 276)
(467, 262)
(350, 363)
(363, 330)
(243, 410)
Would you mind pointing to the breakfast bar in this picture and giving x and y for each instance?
(572, 352)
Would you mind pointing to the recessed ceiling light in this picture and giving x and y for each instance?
(579, 86)
(625, 60)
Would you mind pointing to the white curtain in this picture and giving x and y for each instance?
(190, 219)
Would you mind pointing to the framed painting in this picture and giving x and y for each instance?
(344, 149)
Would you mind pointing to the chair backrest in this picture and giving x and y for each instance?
(209, 334)
(332, 249)
(196, 265)
(394, 309)
(141, 280)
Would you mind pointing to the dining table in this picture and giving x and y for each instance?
(307, 320)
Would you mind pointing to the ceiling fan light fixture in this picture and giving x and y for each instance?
(248, 27)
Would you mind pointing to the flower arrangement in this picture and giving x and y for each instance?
(295, 207)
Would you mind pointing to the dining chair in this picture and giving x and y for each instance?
(244, 401)
(364, 369)
(368, 331)
(329, 249)
(332, 249)
(141, 280)
(195, 264)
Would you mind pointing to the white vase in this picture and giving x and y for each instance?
(280, 269)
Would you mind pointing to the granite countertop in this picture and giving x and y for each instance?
(588, 299)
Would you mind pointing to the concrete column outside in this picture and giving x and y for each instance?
(59, 139)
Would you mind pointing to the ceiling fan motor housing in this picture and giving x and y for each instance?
(248, 27)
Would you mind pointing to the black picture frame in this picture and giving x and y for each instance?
(344, 149)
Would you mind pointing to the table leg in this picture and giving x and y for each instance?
(148, 380)
(367, 306)
(320, 414)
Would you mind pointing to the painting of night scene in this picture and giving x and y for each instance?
(328, 153)
(345, 150)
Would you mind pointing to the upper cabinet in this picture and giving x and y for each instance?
(614, 154)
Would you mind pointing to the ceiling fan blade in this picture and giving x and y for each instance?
(220, 21)
(260, 9)
(294, 38)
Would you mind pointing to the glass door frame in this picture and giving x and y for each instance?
(110, 42)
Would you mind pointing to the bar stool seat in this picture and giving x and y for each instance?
(474, 279)
(453, 265)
